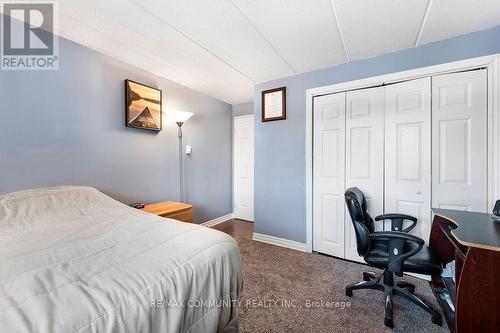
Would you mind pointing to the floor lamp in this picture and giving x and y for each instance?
(180, 117)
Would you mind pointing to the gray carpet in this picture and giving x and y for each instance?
(274, 273)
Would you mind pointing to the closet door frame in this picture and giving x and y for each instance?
(491, 63)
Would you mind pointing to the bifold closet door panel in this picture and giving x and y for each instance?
(459, 141)
(364, 155)
(329, 174)
(408, 152)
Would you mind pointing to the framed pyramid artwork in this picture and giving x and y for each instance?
(143, 106)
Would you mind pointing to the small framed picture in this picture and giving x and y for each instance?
(143, 106)
(274, 104)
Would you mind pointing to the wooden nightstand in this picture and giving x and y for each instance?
(171, 209)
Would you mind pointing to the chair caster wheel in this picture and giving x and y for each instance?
(348, 293)
(437, 321)
(366, 277)
(389, 323)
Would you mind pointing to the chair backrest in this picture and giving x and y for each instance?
(361, 220)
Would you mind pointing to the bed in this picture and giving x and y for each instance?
(74, 260)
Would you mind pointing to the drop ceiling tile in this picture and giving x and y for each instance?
(142, 40)
(304, 32)
(450, 18)
(223, 30)
(372, 27)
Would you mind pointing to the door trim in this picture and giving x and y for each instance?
(233, 203)
(491, 62)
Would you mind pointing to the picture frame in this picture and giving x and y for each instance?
(274, 104)
(143, 106)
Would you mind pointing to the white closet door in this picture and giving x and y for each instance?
(328, 169)
(459, 148)
(408, 152)
(364, 155)
(243, 163)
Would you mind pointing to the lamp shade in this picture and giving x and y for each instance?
(180, 116)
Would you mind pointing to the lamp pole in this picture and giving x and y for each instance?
(180, 117)
(181, 163)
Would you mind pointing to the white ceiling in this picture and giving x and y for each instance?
(224, 47)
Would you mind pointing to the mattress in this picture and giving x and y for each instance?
(74, 260)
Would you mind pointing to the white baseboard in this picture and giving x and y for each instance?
(420, 276)
(279, 242)
(217, 220)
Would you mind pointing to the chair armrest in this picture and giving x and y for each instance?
(388, 235)
(396, 240)
(397, 221)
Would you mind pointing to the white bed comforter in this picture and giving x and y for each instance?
(74, 260)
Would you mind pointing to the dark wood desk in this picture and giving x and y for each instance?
(473, 241)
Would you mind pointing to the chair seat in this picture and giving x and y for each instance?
(425, 261)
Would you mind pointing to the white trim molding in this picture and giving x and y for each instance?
(419, 276)
(491, 62)
(244, 116)
(279, 242)
(217, 220)
(493, 132)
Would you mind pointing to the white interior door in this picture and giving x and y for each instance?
(364, 155)
(408, 152)
(328, 170)
(459, 135)
(243, 165)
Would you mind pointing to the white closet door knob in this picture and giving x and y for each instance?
(418, 192)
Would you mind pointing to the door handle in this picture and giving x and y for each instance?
(418, 192)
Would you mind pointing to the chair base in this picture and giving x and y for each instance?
(385, 283)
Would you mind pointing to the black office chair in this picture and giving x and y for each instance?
(393, 251)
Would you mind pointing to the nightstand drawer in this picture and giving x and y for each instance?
(184, 216)
(171, 209)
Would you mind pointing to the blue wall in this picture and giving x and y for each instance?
(66, 127)
(243, 109)
(280, 179)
